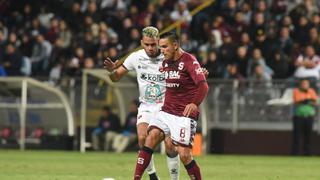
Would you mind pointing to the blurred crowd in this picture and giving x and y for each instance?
(233, 39)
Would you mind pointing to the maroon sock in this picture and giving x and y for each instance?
(193, 170)
(143, 161)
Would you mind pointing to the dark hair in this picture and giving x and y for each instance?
(171, 35)
(106, 108)
(136, 102)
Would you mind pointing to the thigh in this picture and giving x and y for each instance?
(182, 130)
(159, 122)
(154, 137)
(147, 112)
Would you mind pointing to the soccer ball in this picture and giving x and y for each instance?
(108, 179)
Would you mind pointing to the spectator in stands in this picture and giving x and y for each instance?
(261, 42)
(129, 134)
(40, 55)
(227, 50)
(181, 12)
(279, 8)
(242, 60)
(232, 72)
(75, 17)
(108, 127)
(64, 34)
(2, 45)
(258, 59)
(260, 77)
(301, 32)
(213, 65)
(307, 66)
(103, 26)
(13, 39)
(305, 99)
(53, 31)
(315, 21)
(239, 27)
(12, 61)
(314, 39)
(284, 42)
(76, 62)
(280, 63)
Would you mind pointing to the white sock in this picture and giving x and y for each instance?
(151, 169)
(174, 166)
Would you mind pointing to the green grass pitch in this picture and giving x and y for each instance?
(60, 165)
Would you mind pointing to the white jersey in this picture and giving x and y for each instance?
(150, 80)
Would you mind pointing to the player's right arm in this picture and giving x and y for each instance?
(116, 73)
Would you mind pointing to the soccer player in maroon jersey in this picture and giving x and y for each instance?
(186, 87)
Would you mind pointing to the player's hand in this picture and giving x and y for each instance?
(189, 109)
(205, 72)
(109, 65)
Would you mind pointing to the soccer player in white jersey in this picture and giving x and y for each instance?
(146, 62)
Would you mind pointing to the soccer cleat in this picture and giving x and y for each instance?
(153, 176)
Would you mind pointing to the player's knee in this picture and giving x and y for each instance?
(170, 149)
(153, 138)
(185, 157)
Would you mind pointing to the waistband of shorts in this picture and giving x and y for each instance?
(179, 115)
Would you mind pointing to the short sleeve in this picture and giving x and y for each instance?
(194, 69)
(130, 61)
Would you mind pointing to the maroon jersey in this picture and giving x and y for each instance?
(182, 77)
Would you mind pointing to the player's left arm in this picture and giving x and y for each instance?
(199, 79)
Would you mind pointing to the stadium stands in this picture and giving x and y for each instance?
(253, 41)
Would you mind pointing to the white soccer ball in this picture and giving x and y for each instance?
(108, 179)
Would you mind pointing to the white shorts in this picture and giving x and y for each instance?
(147, 111)
(181, 129)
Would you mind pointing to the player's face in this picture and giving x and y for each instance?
(150, 45)
(167, 48)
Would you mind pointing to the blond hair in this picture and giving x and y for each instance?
(150, 31)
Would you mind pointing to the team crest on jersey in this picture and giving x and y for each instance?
(153, 92)
(181, 65)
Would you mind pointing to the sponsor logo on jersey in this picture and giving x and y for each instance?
(142, 67)
(152, 77)
(199, 70)
(172, 75)
(144, 59)
(155, 61)
(172, 85)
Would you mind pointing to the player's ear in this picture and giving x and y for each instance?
(141, 43)
(176, 46)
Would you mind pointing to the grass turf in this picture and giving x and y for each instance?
(60, 165)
